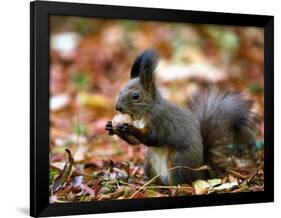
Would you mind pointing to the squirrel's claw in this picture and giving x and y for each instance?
(108, 124)
(109, 128)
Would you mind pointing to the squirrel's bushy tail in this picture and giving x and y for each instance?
(226, 119)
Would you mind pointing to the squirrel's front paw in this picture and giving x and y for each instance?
(123, 129)
(109, 128)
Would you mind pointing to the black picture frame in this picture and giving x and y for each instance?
(39, 107)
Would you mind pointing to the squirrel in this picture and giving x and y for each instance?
(175, 136)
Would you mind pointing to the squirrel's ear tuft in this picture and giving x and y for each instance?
(146, 61)
(135, 71)
(148, 65)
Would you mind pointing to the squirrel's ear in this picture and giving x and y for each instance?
(135, 71)
(148, 64)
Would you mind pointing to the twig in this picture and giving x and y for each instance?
(170, 169)
(157, 186)
(250, 178)
(166, 187)
(78, 135)
(61, 201)
(237, 174)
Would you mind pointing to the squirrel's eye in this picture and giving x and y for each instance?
(135, 95)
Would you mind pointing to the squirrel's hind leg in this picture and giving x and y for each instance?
(185, 175)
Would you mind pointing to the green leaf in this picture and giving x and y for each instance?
(52, 174)
(229, 40)
(255, 88)
(80, 80)
(80, 129)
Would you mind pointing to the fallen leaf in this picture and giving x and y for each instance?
(226, 186)
(214, 182)
(201, 187)
(59, 102)
(61, 179)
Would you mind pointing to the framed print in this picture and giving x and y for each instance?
(145, 108)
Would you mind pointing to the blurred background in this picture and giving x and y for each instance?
(90, 60)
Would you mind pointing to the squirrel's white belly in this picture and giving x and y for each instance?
(158, 157)
(139, 123)
(159, 162)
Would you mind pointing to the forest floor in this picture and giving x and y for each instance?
(86, 163)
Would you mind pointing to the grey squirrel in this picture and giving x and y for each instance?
(177, 136)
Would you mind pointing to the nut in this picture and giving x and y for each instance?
(121, 118)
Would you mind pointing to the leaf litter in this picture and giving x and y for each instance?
(86, 164)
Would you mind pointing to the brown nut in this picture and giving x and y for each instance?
(121, 118)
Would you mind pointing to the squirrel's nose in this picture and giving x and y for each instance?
(118, 108)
